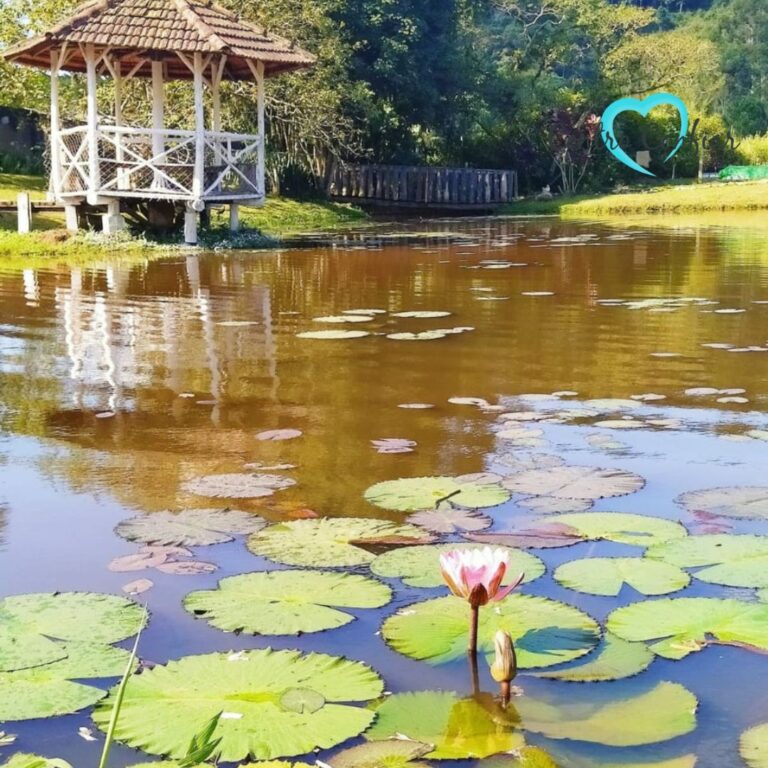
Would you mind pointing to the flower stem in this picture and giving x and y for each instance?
(505, 692)
(475, 616)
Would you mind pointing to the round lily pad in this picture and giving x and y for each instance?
(237, 485)
(418, 493)
(190, 527)
(420, 566)
(450, 519)
(420, 336)
(422, 314)
(26, 760)
(732, 560)
(679, 626)
(607, 575)
(456, 728)
(753, 746)
(746, 502)
(332, 334)
(286, 602)
(330, 542)
(553, 505)
(349, 318)
(621, 527)
(613, 659)
(390, 753)
(545, 632)
(525, 757)
(32, 623)
(570, 482)
(163, 708)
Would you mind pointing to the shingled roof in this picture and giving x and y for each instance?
(158, 29)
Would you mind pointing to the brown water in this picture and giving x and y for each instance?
(164, 347)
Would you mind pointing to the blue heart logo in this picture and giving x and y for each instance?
(642, 107)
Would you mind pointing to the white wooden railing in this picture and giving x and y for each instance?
(160, 164)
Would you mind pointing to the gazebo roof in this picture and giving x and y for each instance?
(159, 29)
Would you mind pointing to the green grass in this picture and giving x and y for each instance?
(281, 217)
(13, 183)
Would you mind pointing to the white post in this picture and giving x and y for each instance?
(198, 180)
(234, 217)
(24, 208)
(93, 125)
(112, 221)
(217, 69)
(158, 115)
(55, 125)
(70, 218)
(190, 226)
(117, 76)
(262, 137)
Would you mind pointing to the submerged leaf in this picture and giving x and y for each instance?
(163, 709)
(286, 602)
(607, 575)
(237, 485)
(418, 493)
(545, 632)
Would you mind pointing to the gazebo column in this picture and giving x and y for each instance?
(112, 221)
(94, 182)
(197, 204)
(158, 114)
(56, 55)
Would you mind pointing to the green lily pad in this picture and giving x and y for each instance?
(286, 602)
(391, 753)
(570, 482)
(330, 542)
(24, 760)
(607, 576)
(545, 632)
(579, 761)
(613, 659)
(31, 624)
(748, 502)
(237, 485)
(190, 527)
(753, 746)
(664, 712)
(623, 528)
(418, 493)
(166, 706)
(49, 689)
(679, 626)
(731, 560)
(457, 728)
(525, 757)
(420, 566)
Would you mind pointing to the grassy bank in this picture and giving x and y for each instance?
(665, 199)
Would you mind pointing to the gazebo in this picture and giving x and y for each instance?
(106, 162)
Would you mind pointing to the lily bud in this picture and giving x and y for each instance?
(504, 667)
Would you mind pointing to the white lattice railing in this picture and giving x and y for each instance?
(142, 162)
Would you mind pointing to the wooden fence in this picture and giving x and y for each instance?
(421, 186)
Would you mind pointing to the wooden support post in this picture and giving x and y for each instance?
(24, 208)
(93, 126)
(55, 126)
(198, 179)
(70, 218)
(234, 217)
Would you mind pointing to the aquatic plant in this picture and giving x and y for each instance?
(504, 666)
(476, 575)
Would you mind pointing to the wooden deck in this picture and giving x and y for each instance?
(402, 186)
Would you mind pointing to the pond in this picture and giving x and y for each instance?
(539, 347)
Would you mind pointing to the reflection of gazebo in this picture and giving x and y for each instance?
(106, 161)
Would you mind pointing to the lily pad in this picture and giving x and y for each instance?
(545, 632)
(32, 623)
(279, 434)
(190, 527)
(349, 318)
(607, 575)
(542, 536)
(417, 493)
(570, 482)
(420, 336)
(731, 560)
(332, 334)
(457, 728)
(286, 602)
(579, 761)
(679, 626)
(420, 566)
(450, 520)
(613, 659)
(553, 505)
(391, 753)
(753, 746)
(623, 528)
(525, 757)
(25, 760)
(237, 485)
(329, 541)
(746, 502)
(422, 314)
(49, 690)
(163, 707)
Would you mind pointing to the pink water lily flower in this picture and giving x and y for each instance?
(476, 574)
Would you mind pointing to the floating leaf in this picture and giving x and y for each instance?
(525, 757)
(542, 536)
(24, 760)
(423, 315)
(746, 502)
(416, 406)
(683, 625)
(328, 541)
(623, 528)
(753, 746)
(417, 493)
(420, 336)
(390, 753)
(279, 434)
(575, 482)
(731, 560)
(190, 527)
(420, 566)
(664, 712)
(579, 761)
(348, 318)
(136, 561)
(450, 520)
(545, 632)
(613, 659)
(332, 334)
(163, 707)
(286, 602)
(186, 568)
(32, 622)
(607, 575)
(237, 485)
(553, 505)
(49, 690)
(620, 424)
(457, 728)
(138, 587)
(393, 445)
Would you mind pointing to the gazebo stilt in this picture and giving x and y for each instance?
(112, 221)
(234, 217)
(190, 226)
